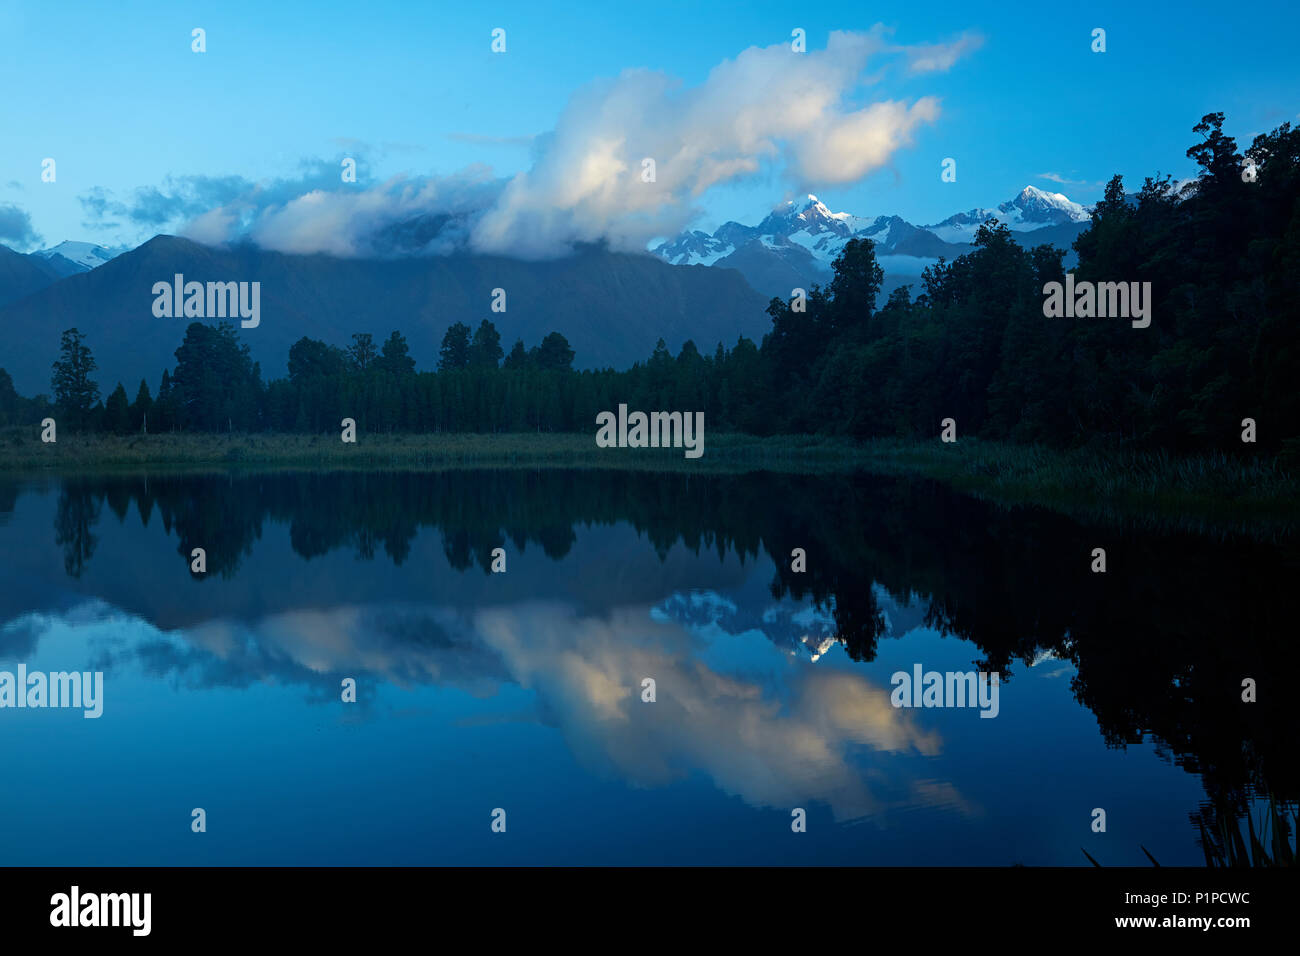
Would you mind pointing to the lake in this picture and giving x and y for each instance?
(525, 691)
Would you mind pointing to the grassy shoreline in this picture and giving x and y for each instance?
(1206, 493)
(722, 453)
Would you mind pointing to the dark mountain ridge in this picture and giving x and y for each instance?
(612, 307)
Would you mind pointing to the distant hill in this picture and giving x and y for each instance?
(612, 307)
(22, 275)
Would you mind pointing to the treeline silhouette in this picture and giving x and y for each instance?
(1222, 254)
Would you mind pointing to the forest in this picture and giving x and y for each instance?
(973, 343)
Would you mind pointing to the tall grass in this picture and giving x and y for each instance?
(1271, 844)
(1225, 844)
(1205, 494)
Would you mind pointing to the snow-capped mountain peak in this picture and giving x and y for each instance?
(814, 209)
(797, 242)
(85, 254)
(695, 249)
(1042, 195)
(1032, 208)
(812, 217)
(1036, 207)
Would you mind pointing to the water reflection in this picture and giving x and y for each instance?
(771, 684)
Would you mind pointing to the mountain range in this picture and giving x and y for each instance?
(611, 306)
(22, 274)
(796, 243)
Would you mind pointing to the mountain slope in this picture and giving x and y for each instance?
(612, 307)
(22, 275)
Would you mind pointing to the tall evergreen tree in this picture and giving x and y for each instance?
(518, 357)
(12, 405)
(75, 392)
(554, 352)
(485, 348)
(216, 385)
(395, 357)
(141, 407)
(855, 286)
(362, 351)
(117, 412)
(313, 359)
(454, 354)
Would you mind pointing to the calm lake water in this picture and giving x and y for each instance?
(523, 690)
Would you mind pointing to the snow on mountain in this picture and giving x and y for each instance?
(962, 226)
(1035, 207)
(694, 249)
(799, 240)
(810, 227)
(1032, 209)
(85, 254)
(812, 218)
(813, 228)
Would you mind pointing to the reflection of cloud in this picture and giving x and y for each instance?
(403, 646)
(18, 638)
(1047, 664)
(775, 747)
(396, 645)
(941, 794)
(794, 736)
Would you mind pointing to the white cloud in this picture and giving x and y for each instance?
(1058, 178)
(937, 57)
(768, 105)
(800, 114)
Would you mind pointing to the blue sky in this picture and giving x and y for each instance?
(115, 95)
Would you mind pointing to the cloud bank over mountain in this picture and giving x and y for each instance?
(767, 105)
(16, 227)
(801, 114)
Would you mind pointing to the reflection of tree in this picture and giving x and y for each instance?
(1160, 643)
(556, 540)
(8, 498)
(118, 498)
(455, 545)
(214, 513)
(78, 510)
